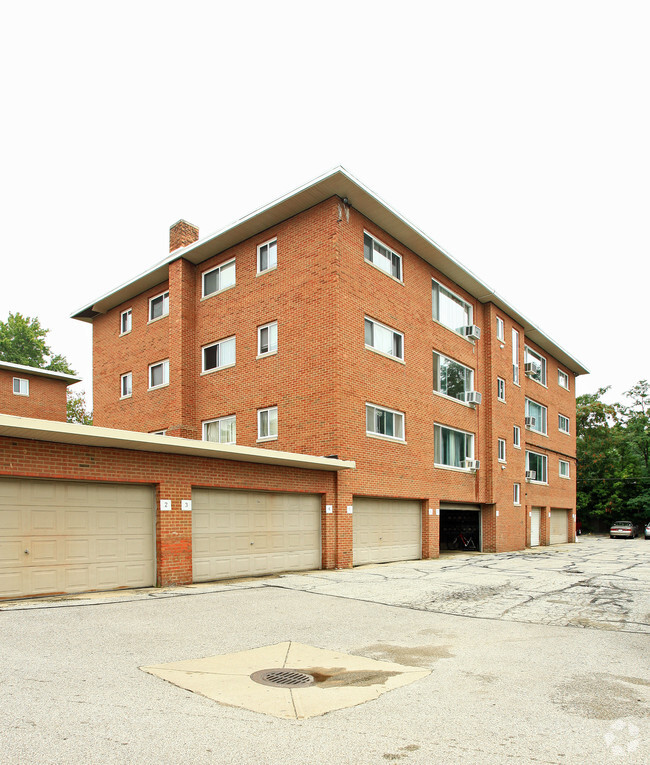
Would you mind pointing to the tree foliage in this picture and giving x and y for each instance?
(22, 341)
(77, 409)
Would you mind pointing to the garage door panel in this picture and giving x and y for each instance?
(559, 527)
(386, 530)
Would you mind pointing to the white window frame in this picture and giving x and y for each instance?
(165, 366)
(165, 304)
(536, 428)
(23, 386)
(516, 494)
(218, 269)
(437, 382)
(217, 345)
(516, 436)
(272, 350)
(560, 418)
(435, 450)
(396, 414)
(395, 334)
(393, 255)
(501, 389)
(460, 299)
(545, 458)
(562, 375)
(269, 410)
(267, 244)
(501, 449)
(515, 356)
(126, 376)
(501, 330)
(566, 475)
(541, 360)
(219, 421)
(128, 315)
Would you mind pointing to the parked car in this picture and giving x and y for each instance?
(625, 529)
(647, 530)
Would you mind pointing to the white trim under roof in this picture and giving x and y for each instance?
(25, 370)
(337, 182)
(89, 435)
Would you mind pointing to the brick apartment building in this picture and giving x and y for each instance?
(33, 392)
(326, 324)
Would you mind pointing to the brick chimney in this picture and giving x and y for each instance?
(181, 234)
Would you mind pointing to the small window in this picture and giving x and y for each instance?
(267, 256)
(126, 318)
(267, 423)
(452, 447)
(563, 423)
(501, 449)
(21, 387)
(516, 437)
(501, 389)
(387, 423)
(158, 433)
(381, 256)
(501, 330)
(221, 431)
(267, 339)
(449, 309)
(516, 494)
(515, 357)
(219, 355)
(159, 306)
(159, 374)
(379, 337)
(219, 278)
(126, 385)
(564, 469)
(563, 379)
(535, 365)
(535, 417)
(536, 464)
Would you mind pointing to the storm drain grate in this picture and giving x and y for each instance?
(282, 678)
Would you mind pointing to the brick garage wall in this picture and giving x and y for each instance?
(46, 400)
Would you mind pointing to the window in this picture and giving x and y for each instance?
(449, 309)
(158, 433)
(515, 357)
(564, 469)
(383, 339)
(501, 389)
(537, 464)
(516, 437)
(221, 431)
(451, 378)
(126, 385)
(126, 319)
(537, 414)
(267, 423)
(382, 257)
(538, 370)
(219, 355)
(384, 422)
(516, 494)
(501, 330)
(21, 387)
(563, 423)
(501, 449)
(562, 379)
(219, 278)
(267, 256)
(267, 339)
(159, 306)
(159, 374)
(452, 447)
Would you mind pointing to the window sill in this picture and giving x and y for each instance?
(564, 433)
(457, 400)
(385, 273)
(24, 395)
(264, 355)
(502, 400)
(532, 379)
(516, 446)
(218, 292)
(502, 462)
(381, 437)
(158, 387)
(122, 398)
(462, 337)
(517, 504)
(158, 318)
(216, 369)
(565, 477)
(538, 483)
(128, 332)
(266, 270)
(385, 355)
(454, 469)
(537, 432)
(266, 438)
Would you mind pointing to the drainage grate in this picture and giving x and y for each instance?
(282, 678)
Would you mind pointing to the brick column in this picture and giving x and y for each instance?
(430, 529)
(173, 535)
(343, 521)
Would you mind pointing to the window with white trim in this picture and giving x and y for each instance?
(267, 339)
(382, 256)
(538, 362)
(515, 357)
(126, 321)
(267, 256)
(516, 494)
(516, 436)
(565, 469)
(219, 355)
(158, 306)
(449, 309)
(21, 386)
(537, 414)
(563, 379)
(501, 330)
(452, 447)
(221, 431)
(219, 278)
(379, 337)
(537, 463)
(126, 385)
(159, 374)
(383, 422)
(501, 389)
(501, 449)
(451, 378)
(267, 423)
(563, 424)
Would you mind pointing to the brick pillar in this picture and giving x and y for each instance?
(430, 529)
(173, 535)
(343, 521)
(489, 525)
(181, 234)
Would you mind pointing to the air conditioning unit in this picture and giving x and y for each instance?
(529, 422)
(471, 330)
(531, 475)
(472, 464)
(473, 397)
(530, 368)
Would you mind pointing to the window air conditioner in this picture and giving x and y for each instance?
(472, 464)
(529, 422)
(530, 368)
(531, 475)
(473, 397)
(471, 330)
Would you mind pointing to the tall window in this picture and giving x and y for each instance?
(501, 449)
(450, 309)
(515, 357)
(267, 339)
(564, 469)
(267, 423)
(452, 447)
(537, 463)
(221, 431)
(219, 355)
(126, 321)
(563, 423)
(562, 379)
(516, 437)
(537, 414)
(501, 389)
(381, 256)
(126, 385)
(384, 339)
(451, 378)
(159, 374)
(267, 256)
(219, 278)
(159, 306)
(501, 330)
(384, 422)
(516, 494)
(535, 365)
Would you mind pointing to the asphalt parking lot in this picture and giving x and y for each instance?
(539, 656)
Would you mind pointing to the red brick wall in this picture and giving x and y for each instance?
(46, 400)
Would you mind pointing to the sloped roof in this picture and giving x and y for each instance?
(37, 371)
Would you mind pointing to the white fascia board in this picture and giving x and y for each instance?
(23, 369)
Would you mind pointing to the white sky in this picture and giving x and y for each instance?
(515, 134)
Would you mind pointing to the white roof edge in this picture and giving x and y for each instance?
(10, 366)
(89, 435)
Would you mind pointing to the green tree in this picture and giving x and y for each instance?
(634, 426)
(22, 341)
(77, 408)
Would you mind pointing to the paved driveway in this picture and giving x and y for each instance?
(538, 657)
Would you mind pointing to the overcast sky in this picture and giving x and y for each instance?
(515, 134)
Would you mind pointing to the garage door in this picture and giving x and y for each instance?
(535, 524)
(245, 533)
(559, 526)
(60, 536)
(386, 530)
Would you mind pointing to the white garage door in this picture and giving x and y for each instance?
(247, 533)
(559, 526)
(61, 536)
(386, 530)
(535, 524)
